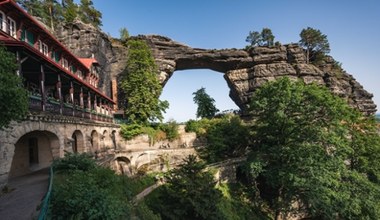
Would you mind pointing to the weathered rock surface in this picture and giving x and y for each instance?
(84, 40)
(244, 70)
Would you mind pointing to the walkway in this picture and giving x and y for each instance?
(27, 195)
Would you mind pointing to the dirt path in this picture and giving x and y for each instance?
(21, 203)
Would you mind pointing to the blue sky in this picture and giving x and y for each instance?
(352, 28)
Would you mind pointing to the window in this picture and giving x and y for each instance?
(65, 63)
(43, 48)
(80, 74)
(2, 21)
(11, 27)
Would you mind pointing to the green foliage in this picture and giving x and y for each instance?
(82, 190)
(124, 34)
(53, 12)
(226, 137)
(14, 104)
(144, 213)
(315, 43)
(70, 11)
(129, 131)
(206, 107)
(89, 14)
(141, 86)
(170, 129)
(265, 38)
(155, 132)
(306, 150)
(189, 193)
(198, 126)
(74, 161)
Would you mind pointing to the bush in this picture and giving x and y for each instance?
(171, 130)
(129, 131)
(74, 161)
(94, 194)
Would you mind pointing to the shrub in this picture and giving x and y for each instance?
(129, 131)
(73, 161)
(171, 130)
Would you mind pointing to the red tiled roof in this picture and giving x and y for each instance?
(88, 61)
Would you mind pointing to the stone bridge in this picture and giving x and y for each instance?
(33, 143)
(140, 161)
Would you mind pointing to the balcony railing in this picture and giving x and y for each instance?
(54, 106)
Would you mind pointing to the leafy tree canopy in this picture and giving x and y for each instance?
(312, 149)
(53, 12)
(190, 193)
(206, 107)
(14, 104)
(314, 42)
(124, 34)
(141, 86)
(265, 38)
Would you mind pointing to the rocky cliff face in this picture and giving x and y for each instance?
(244, 70)
(85, 40)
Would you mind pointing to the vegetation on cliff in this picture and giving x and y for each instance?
(141, 86)
(53, 12)
(14, 98)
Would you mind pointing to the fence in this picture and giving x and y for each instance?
(45, 202)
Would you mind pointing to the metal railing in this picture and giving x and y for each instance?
(45, 203)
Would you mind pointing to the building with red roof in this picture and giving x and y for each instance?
(58, 81)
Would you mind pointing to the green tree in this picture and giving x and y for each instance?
(206, 107)
(14, 104)
(141, 86)
(254, 38)
(124, 34)
(226, 137)
(267, 37)
(33, 7)
(314, 42)
(70, 10)
(306, 144)
(89, 14)
(190, 193)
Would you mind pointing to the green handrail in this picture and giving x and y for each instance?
(45, 202)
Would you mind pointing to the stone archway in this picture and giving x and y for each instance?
(34, 151)
(245, 70)
(106, 140)
(114, 139)
(122, 165)
(94, 141)
(77, 142)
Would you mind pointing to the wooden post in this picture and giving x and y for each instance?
(59, 88)
(89, 102)
(42, 88)
(72, 96)
(81, 101)
(18, 71)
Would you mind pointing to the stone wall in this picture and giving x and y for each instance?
(53, 131)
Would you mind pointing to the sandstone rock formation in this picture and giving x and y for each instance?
(84, 40)
(244, 70)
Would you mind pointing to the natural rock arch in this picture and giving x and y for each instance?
(246, 70)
